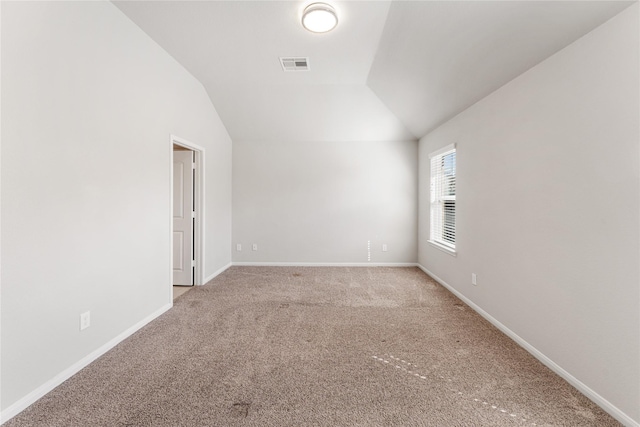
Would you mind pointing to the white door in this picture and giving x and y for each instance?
(182, 218)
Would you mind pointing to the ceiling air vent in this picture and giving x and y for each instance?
(295, 64)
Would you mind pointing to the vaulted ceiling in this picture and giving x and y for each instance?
(391, 70)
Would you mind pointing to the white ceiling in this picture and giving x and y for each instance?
(389, 71)
(436, 59)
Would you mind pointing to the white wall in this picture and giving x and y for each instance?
(307, 202)
(89, 103)
(548, 209)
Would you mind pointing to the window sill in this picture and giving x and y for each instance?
(444, 249)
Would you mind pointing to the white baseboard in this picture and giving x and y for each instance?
(326, 264)
(45, 388)
(216, 273)
(584, 389)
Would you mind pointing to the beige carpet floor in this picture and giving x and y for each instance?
(291, 346)
(180, 290)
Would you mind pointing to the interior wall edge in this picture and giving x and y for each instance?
(610, 408)
(216, 273)
(325, 264)
(54, 382)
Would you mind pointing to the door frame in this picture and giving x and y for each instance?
(198, 200)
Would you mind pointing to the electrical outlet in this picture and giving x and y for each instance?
(85, 320)
(254, 247)
(384, 247)
(474, 279)
(238, 247)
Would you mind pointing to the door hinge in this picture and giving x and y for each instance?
(193, 263)
(193, 214)
(193, 165)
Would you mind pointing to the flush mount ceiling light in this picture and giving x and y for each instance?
(319, 18)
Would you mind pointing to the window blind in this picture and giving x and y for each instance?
(443, 197)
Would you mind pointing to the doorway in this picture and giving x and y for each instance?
(187, 216)
(183, 216)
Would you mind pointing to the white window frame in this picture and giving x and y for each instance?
(437, 198)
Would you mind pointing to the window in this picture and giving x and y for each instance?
(443, 198)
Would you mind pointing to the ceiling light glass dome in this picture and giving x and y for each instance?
(319, 18)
